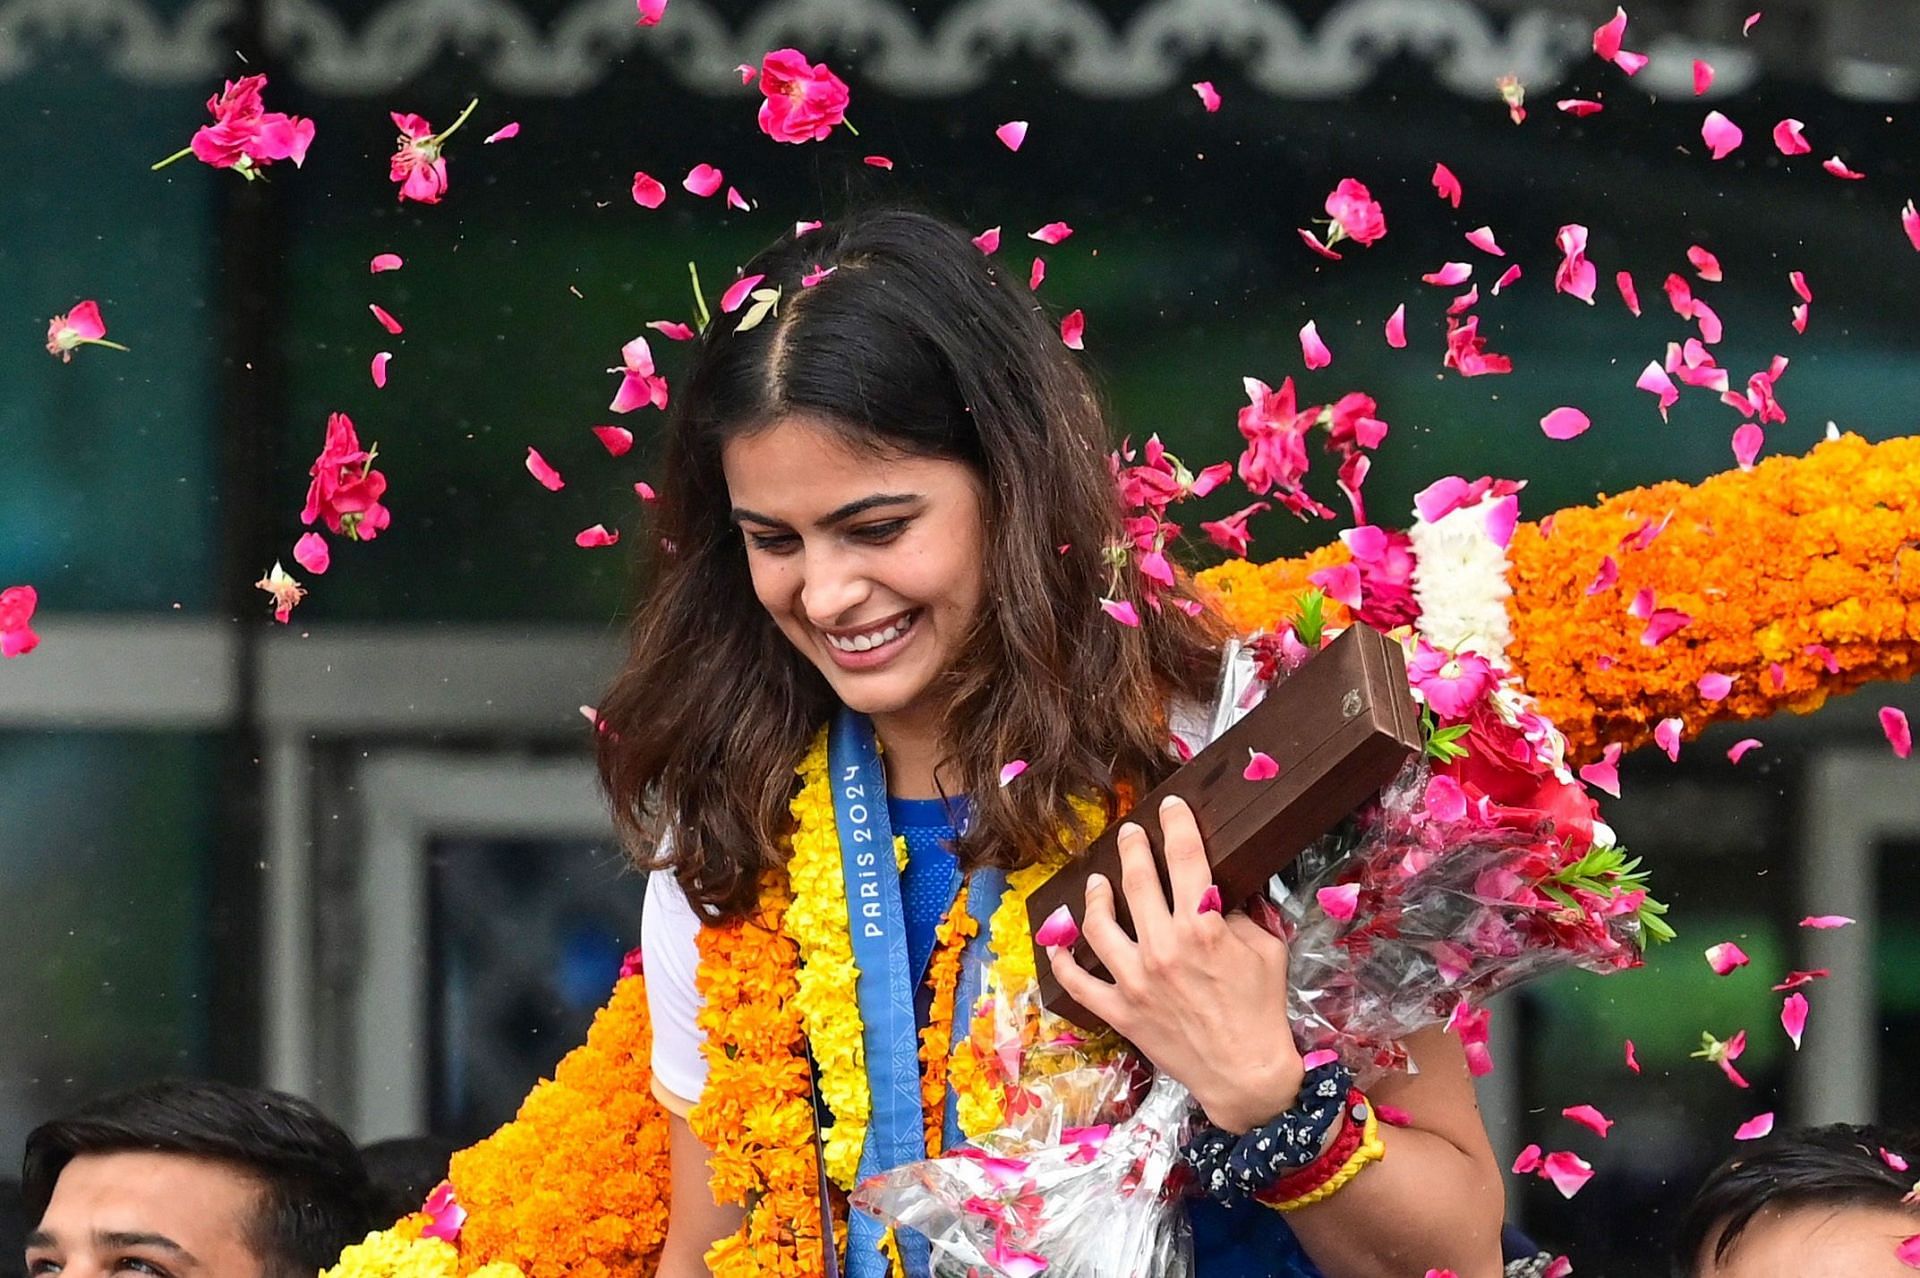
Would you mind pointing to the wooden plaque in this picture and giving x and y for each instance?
(1340, 727)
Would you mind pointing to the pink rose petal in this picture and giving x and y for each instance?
(1312, 241)
(1721, 135)
(702, 180)
(1892, 1159)
(1339, 902)
(1527, 1160)
(1209, 97)
(1565, 423)
(379, 369)
(1702, 77)
(1507, 277)
(1121, 610)
(988, 241)
(311, 552)
(1012, 134)
(1705, 263)
(1058, 928)
(735, 200)
(1838, 167)
(1037, 273)
(1910, 223)
(651, 11)
(644, 491)
(1714, 686)
(1588, 1117)
(1748, 439)
(1793, 1017)
(1725, 957)
(384, 262)
(1446, 185)
(1012, 769)
(1449, 275)
(1481, 237)
(538, 467)
(597, 535)
(1826, 921)
(1051, 233)
(1604, 774)
(1633, 1062)
(1260, 766)
(673, 330)
(1073, 330)
(737, 292)
(1908, 1252)
(1752, 18)
(1312, 349)
(647, 191)
(1740, 748)
(1325, 1056)
(1397, 327)
(501, 134)
(1893, 722)
(617, 440)
(1788, 138)
(1568, 1171)
(387, 321)
(1667, 736)
(1754, 1128)
(877, 162)
(1210, 900)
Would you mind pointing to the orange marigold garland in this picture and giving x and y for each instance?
(1801, 578)
(936, 1037)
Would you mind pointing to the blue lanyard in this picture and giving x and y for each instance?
(876, 922)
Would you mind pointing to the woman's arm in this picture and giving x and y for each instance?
(1205, 998)
(1435, 1201)
(694, 1221)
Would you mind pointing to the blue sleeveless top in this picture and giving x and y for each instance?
(1228, 1242)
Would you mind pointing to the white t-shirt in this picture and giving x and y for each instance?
(669, 939)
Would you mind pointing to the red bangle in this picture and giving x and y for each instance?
(1322, 1169)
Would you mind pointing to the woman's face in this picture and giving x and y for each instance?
(872, 565)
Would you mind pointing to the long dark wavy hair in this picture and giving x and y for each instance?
(915, 343)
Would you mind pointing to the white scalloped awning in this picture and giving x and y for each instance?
(1147, 53)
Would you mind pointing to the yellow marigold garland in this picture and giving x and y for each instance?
(401, 1252)
(936, 1037)
(1796, 559)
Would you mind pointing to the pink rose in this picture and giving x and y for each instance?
(346, 489)
(804, 101)
(244, 135)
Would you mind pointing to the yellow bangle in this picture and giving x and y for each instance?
(1370, 1149)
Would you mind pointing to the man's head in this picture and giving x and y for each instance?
(193, 1180)
(1809, 1203)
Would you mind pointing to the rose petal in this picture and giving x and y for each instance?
(617, 440)
(1725, 957)
(1752, 18)
(1748, 439)
(1209, 97)
(1754, 1128)
(1714, 686)
(735, 200)
(1604, 774)
(1702, 77)
(1397, 327)
(1893, 722)
(501, 134)
(1446, 185)
(877, 162)
(1908, 1252)
(1568, 1171)
(1481, 237)
(1325, 1056)
(1628, 294)
(1838, 167)
(1260, 766)
(1721, 135)
(1910, 223)
(1073, 329)
(1339, 902)
(1588, 1117)
(1705, 263)
(1633, 1062)
(1449, 274)
(1741, 747)
(384, 262)
(1789, 140)
(311, 552)
(647, 191)
(1825, 921)
(1012, 134)
(1012, 769)
(988, 241)
(1121, 610)
(673, 330)
(1051, 233)
(549, 477)
(1058, 928)
(1037, 273)
(1794, 980)
(387, 321)
(379, 369)
(1667, 736)
(1312, 349)
(1565, 423)
(644, 491)
(702, 180)
(1793, 1018)
(1527, 1160)
(1580, 107)
(1892, 1159)
(597, 535)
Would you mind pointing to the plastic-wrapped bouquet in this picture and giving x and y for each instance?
(1483, 864)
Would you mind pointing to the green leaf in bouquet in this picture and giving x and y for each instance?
(1311, 621)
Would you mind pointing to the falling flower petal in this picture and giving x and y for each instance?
(1121, 610)
(1209, 902)
(1822, 921)
(644, 491)
(1481, 237)
(1312, 349)
(673, 330)
(1012, 134)
(1702, 77)
(1449, 275)
(1793, 1017)
(1575, 274)
(597, 535)
(1073, 329)
(1892, 1159)
(1628, 294)
(1788, 138)
(379, 369)
(1800, 318)
(735, 200)
(538, 467)
(617, 440)
(1893, 722)
(1705, 263)
(1588, 1117)
(877, 162)
(1910, 223)
(1633, 1062)
(1667, 736)
(387, 321)
(1580, 106)
(278, 582)
(1058, 928)
(647, 191)
(1714, 686)
(1654, 378)
(651, 11)
(1754, 1128)
(1312, 241)
(1794, 980)
(1747, 441)
(1607, 577)
(1568, 1171)
(1721, 135)
(1338, 902)
(312, 553)
(1752, 18)
(501, 134)
(1740, 748)
(1008, 771)
(1260, 766)
(1604, 773)
(384, 262)
(737, 293)
(1038, 273)
(1725, 957)
(702, 180)
(1446, 185)
(1397, 327)
(1908, 1252)
(1838, 167)
(445, 1214)
(988, 241)
(1527, 1160)
(1565, 423)
(1507, 277)
(1051, 233)
(1209, 97)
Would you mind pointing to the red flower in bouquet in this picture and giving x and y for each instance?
(804, 101)
(346, 489)
(1451, 683)
(1501, 766)
(244, 135)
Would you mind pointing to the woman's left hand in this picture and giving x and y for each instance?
(1202, 994)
